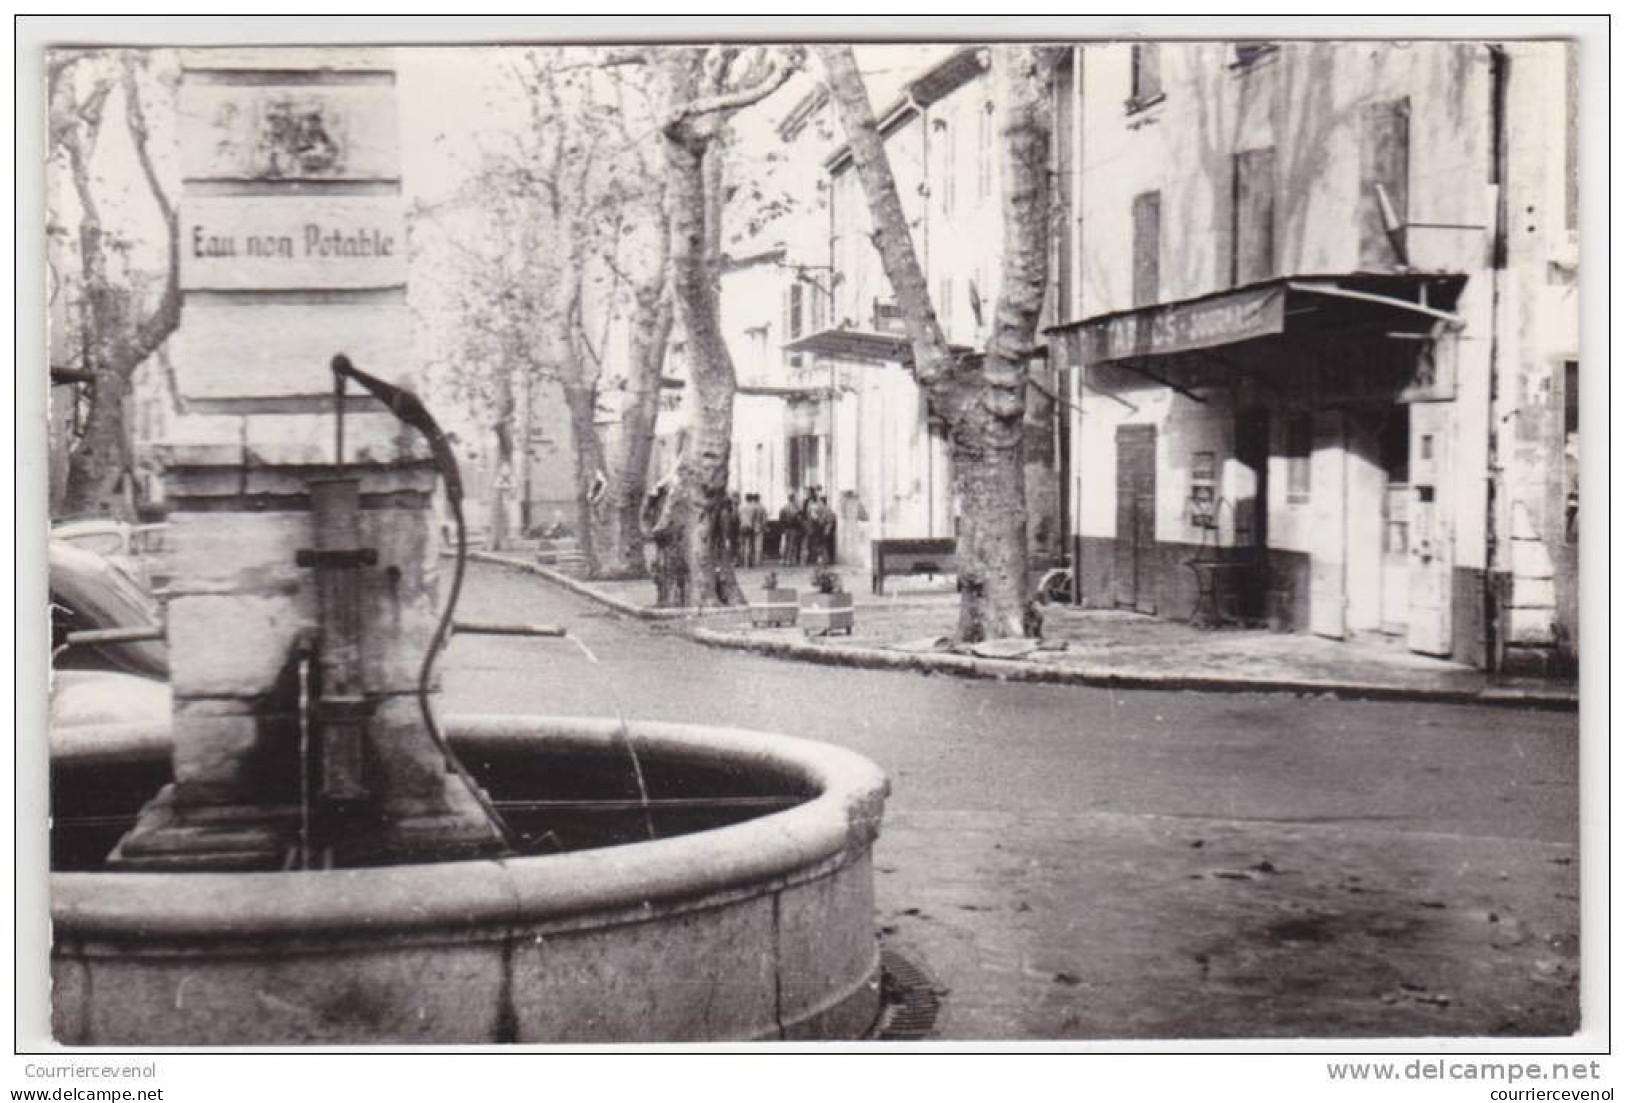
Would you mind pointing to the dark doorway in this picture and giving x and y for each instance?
(1136, 516)
(1251, 534)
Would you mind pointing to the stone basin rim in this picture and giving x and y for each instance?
(828, 829)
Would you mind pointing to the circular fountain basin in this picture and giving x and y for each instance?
(759, 928)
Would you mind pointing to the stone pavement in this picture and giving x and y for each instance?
(911, 626)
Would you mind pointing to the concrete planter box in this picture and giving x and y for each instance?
(758, 930)
(822, 614)
(776, 609)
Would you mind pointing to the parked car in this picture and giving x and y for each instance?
(87, 593)
(137, 550)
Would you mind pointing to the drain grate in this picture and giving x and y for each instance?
(908, 1000)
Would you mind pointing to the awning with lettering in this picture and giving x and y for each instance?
(1265, 309)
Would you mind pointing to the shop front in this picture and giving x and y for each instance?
(1274, 455)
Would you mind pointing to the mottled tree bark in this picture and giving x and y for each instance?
(621, 551)
(502, 416)
(982, 400)
(581, 400)
(702, 479)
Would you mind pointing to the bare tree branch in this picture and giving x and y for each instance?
(780, 68)
(166, 317)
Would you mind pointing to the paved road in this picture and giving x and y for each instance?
(1089, 863)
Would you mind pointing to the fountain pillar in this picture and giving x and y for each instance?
(293, 249)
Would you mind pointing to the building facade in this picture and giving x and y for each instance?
(781, 437)
(1319, 334)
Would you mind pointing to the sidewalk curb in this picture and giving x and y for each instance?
(1016, 670)
(559, 578)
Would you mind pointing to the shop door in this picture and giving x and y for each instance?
(1364, 483)
(1396, 447)
(1252, 510)
(1328, 538)
(1432, 545)
(1136, 515)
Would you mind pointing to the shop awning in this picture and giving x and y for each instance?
(747, 387)
(861, 345)
(1414, 302)
(785, 391)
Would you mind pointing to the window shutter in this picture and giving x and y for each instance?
(1254, 237)
(1145, 80)
(792, 320)
(1571, 137)
(795, 309)
(1385, 138)
(1147, 218)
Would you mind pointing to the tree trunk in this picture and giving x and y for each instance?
(502, 461)
(116, 342)
(702, 482)
(932, 366)
(992, 553)
(621, 553)
(983, 402)
(102, 454)
(582, 402)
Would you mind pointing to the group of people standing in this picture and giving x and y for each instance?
(806, 528)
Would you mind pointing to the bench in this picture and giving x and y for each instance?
(930, 555)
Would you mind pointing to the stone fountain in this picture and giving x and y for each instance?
(301, 856)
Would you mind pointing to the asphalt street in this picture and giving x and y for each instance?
(1071, 862)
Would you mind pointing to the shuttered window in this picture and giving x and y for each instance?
(984, 151)
(793, 319)
(1253, 224)
(1571, 139)
(1145, 75)
(1385, 169)
(1147, 216)
(1065, 89)
(1248, 53)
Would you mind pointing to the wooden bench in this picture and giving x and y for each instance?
(929, 555)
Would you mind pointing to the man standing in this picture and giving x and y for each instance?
(790, 531)
(732, 520)
(818, 528)
(752, 519)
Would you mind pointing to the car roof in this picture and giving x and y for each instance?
(108, 598)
